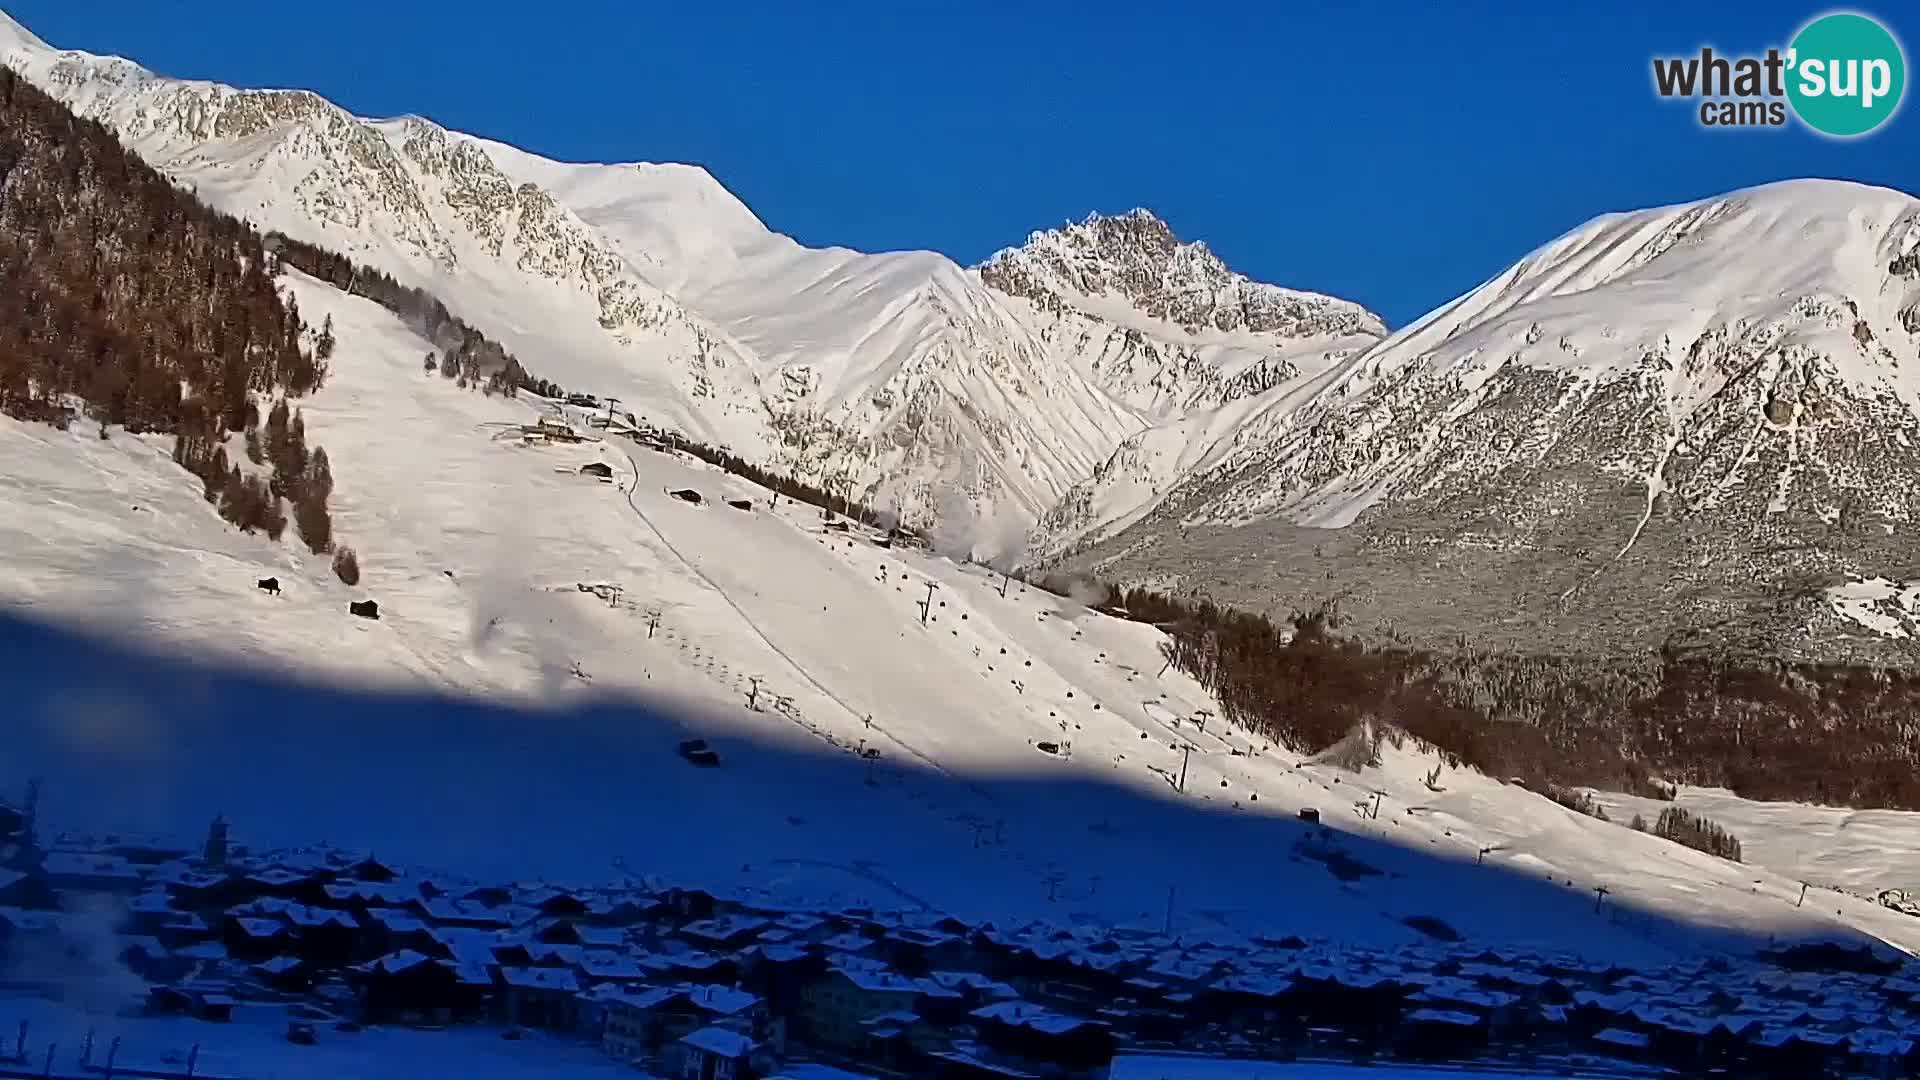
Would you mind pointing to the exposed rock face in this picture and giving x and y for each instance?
(1168, 329)
(1136, 257)
(1695, 422)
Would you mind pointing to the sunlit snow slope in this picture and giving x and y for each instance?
(476, 548)
(901, 377)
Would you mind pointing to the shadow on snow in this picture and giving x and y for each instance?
(155, 742)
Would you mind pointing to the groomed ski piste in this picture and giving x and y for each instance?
(485, 723)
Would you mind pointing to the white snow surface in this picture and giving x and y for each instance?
(522, 767)
(1861, 851)
(1879, 605)
(899, 375)
(653, 283)
(1786, 273)
(254, 1046)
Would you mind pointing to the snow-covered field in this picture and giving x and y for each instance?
(487, 722)
(254, 1046)
(1863, 851)
(1883, 607)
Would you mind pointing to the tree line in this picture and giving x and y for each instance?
(1699, 833)
(1833, 734)
(121, 291)
(779, 483)
(125, 298)
(126, 295)
(462, 353)
(466, 356)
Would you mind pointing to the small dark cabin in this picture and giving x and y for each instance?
(698, 752)
(687, 495)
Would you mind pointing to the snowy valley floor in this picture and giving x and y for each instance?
(252, 1047)
(499, 721)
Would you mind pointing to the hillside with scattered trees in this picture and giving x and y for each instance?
(463, 354)
(1830, 734)
(1701, 834)
(125, 300)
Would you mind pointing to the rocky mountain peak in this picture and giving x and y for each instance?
(1136, 257)
(1697, 419)
(1138, 232)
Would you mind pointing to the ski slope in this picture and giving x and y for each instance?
(1861, 851)
(487, 723)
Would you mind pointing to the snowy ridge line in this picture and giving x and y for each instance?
(925, 388)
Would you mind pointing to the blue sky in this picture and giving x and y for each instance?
(1396, 154)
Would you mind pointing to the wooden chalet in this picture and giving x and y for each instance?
(28, 891)
(538, 997)
(211, 1001)
(1430, 1034)
(718, 1053)
(1045, 1041)
(410, 988)
(253, 938)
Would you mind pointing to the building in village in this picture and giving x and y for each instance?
(31, 892)
(1044, 1042)
(91, 872)
(537, 997)
(410, 988)
(633, 1021)
(718, 1053)
(837, 1007)
(690, 983)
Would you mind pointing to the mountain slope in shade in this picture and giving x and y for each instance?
(1685, 419)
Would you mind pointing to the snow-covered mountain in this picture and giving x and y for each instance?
(913, 383)
(1712, 409)
(1045, 755)
(1133, 261)
(544, 603)
(1167, 328)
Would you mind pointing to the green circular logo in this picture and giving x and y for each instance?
(1847, 74)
